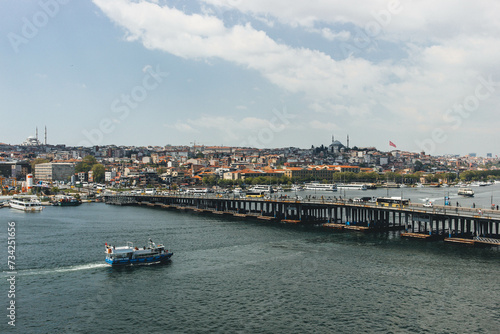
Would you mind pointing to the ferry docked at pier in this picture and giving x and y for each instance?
(320, 186)
(262, 188)
(354, 186)
(132, 255)
(27, 203)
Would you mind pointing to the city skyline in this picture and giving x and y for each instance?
(259, 74)
(36, 141)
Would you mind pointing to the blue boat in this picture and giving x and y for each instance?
(132, 255)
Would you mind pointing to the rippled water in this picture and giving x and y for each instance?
(240, 276)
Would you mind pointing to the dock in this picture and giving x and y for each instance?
(478, 241)
(416, 235)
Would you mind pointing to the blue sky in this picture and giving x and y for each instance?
(253, 73)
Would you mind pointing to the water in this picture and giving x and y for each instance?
(238, 276)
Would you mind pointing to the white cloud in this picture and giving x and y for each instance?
(298, 70)
(440, 49)
(181, 127)
(332, 36)
(226, 128)
(423, 19)
(319, 125)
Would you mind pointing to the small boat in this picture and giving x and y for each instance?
(467, 192)
(27, 203)
(130, 255)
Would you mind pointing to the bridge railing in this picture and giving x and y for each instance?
(412, 207)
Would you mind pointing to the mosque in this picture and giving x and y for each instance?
(33, 140)
(336, 146)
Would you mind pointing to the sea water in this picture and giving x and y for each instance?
(243, 276)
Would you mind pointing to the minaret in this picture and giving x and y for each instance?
(45, 135)
(347, 141)
(36, 134)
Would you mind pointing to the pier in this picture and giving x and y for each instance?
(452, 224)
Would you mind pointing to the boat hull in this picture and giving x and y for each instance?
(67, 203)
(26, 208)
(162, 258)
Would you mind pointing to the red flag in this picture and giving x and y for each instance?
(392, 144)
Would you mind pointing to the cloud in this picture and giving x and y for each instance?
(332, 36)
(424, 19)
(226, 128)
(181, 127)
(319, 125)
(195, 36)
(421, 59)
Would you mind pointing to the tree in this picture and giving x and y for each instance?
(90, 159)
(98, 172)
(419, 166)
(86, 164)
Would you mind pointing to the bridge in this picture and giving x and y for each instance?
(452, 224)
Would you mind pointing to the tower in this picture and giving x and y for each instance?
(36, 134)
(45, 142)
(347, 141)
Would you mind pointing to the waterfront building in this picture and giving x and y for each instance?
(15, 169)
(315, 172)
(353, 169)
(54, 171)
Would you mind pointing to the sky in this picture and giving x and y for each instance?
(422, 74)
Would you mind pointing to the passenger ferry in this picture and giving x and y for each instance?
(467, 192)
(261, 188)
(354, 186)
(130, 255)
(320, 186)
(201, 191)
(27, 203)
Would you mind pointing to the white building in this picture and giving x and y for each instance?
(108, 176)
(54, 171)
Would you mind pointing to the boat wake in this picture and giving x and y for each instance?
(41, 271)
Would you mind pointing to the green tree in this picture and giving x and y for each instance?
(98, 172)
(86, 164)
(210, 180)
(419, 166)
